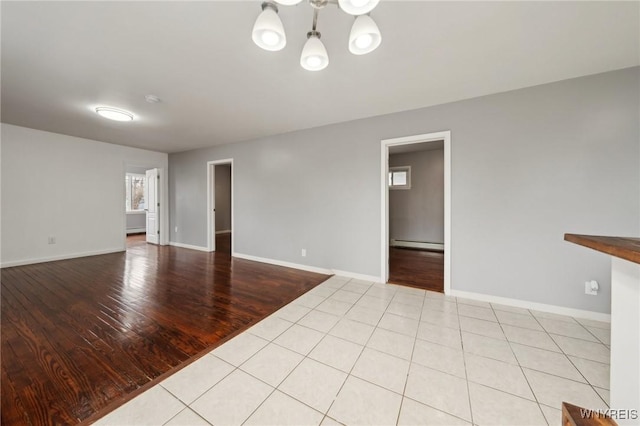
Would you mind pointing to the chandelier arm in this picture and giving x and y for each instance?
(315, 20)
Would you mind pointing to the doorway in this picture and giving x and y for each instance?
(135, 200)
(143, 212)
(419, 255)
(220, 206)
(416, 215)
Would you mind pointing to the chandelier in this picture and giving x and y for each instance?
(268, 32)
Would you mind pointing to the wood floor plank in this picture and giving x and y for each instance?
(417, 268)
(11, 398)
(63, 358)
(82, 336)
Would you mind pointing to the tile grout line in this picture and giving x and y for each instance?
(357, 359)
(191, 410)
(276, 388)
(572, 363)
(550, 335)
(460, 331)
(413, 349)
(234, 368)
(464, 360)
(389, 302)
(325, 415)
(522, 369)
(188, 405)
(579, 371)
(590, 332)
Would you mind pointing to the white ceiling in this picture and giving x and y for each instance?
(60, 59)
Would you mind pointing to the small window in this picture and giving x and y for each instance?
(400, 177)
(134, 190)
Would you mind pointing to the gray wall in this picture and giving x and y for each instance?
(527, 166)
(417, 214)
(223, 197)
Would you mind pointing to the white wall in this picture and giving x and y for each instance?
(527, 166)
(67, 187)
(417, 214)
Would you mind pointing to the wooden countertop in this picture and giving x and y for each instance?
(623, 247)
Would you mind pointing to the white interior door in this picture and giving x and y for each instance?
(152, 206)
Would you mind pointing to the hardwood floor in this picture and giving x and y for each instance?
(223, 243)
(82, 336)
(417, 268)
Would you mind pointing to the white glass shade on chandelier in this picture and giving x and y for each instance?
(268, 31)
(314, 55)
(365, 36)
(357, 7)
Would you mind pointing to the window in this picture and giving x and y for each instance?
(134, 189)
(400, 177)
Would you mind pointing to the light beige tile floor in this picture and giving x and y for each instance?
(352, 352)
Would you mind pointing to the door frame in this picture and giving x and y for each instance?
(211, 228)
(408, 140)
(163, 199)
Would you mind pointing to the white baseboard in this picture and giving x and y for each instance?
(188, 246)
(283, 263)
(225, 231)
(417, 244)
(307, 267)
(136, 230)
(60, 257)
(357, 276)
(542, 307)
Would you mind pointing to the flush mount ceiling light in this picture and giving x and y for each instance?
(268, 32)
(152, 99)
(114, 114)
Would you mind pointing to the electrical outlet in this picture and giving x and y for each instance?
(176, 229)
(591, 288)
(304, 252)
(52, 240)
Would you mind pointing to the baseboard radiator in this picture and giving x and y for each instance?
(416, 244)
(136, 230)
